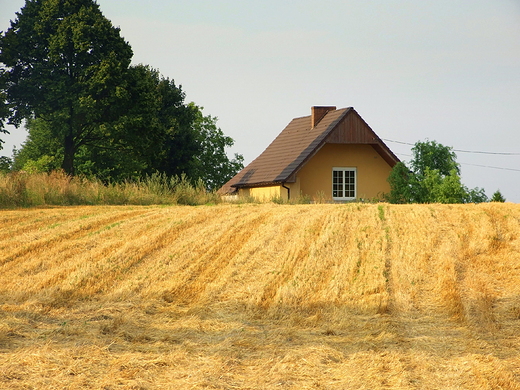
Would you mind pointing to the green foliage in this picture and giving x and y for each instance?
(442, 189)
(65, 63)
(432, 155)
(434, 178)
(67, 74)
(381, 213)
(39, 144)
(476, 195)
(160, 135)
(43, 164)
(400, 180)
(211, 164)
(5, 164)
(498, 197)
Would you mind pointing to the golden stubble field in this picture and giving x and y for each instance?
(261, 297)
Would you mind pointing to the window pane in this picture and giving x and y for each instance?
(343, 183)
(337, 184)
(338, 177)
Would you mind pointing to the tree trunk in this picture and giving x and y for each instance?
(68, 157)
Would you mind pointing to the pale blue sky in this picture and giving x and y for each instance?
(446, 70)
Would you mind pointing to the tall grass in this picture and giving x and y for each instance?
(21, 189)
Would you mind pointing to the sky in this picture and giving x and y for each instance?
(444, 70)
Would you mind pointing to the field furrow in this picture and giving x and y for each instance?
(61, 232)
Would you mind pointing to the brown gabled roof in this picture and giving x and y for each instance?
(299, 141)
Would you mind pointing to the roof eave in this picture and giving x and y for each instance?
(259, 184)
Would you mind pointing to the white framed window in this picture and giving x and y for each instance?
(344, 183)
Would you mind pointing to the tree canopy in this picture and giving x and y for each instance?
(433, 177)
(66, 74)
(65, 63)
(161, 134)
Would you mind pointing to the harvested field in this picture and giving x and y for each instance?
(265, 296)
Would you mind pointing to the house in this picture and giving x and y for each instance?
(332, 155)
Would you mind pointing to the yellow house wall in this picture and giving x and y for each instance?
(243, 192)
(265, 193)
(295, 189)
(372, 171)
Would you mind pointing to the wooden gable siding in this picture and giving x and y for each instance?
(352, 130)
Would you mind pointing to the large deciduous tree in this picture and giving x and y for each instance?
(158, 132)
(66, 72)
(65, 64)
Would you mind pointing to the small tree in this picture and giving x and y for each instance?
(212, 165)
(400, 180)
(498, 197)
(475, 195)
(434, 177)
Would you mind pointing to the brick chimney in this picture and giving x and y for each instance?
(318, 112)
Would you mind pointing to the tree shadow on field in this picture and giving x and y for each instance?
(344, 329)
(284, 344)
